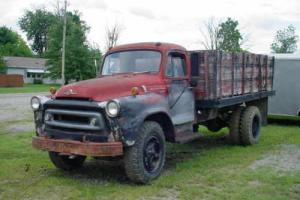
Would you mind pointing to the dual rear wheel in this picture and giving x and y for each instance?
(245, 125)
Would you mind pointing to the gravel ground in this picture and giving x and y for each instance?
(285, 159)
(15, 112)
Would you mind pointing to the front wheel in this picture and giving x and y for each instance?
(66, 163)
(145, 160)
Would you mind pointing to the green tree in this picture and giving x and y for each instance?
(36, 25)
(11, 44)
(79, 60)
(285, 40)
(229, 36)
(2, 65)
(96, 55)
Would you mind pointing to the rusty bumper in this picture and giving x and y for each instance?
(77, 147)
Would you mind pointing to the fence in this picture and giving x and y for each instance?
(11, 80)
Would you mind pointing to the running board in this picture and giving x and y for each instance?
(184, 134)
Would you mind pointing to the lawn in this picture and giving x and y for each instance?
(28, 88)
(209, 168)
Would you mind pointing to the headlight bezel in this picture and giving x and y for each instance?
(37, 105)
(108, 108)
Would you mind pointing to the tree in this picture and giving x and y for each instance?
(79, 58)
(285, 40)
(11, 44)
(36, 25)
(2, 65)
(229, 36)
(96, 55)
(210, 33)
(112, 35)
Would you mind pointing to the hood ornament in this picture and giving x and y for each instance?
(70, 92)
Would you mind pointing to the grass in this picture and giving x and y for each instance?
(209, 168)
(28, 88)
(286, 119)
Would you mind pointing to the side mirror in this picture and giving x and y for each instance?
(193, 83)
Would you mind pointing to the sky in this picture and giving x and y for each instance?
(175, 21)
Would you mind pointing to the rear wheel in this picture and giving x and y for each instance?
(144, 161)
(66, 163)
(250, 125)
(234, 126)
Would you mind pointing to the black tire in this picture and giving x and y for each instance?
(250, 125)
(214, 125)
(195, 128)
(65, 162)
(145, 160)
(234, 126)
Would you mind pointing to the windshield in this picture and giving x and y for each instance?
(131, 62)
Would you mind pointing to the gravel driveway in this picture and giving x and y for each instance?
(15, 112)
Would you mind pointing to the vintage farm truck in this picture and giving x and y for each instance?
(148, 94)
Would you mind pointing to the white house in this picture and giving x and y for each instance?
(29, 68)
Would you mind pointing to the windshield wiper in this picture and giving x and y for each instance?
(121, 73)
(142, 72)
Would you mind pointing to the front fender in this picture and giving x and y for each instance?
(135, 109)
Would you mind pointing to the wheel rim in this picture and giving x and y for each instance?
(255, 127)
(152, 154)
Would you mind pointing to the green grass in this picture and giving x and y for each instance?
(206, 169)
(284, 119)
(28, 88)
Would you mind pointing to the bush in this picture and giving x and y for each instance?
(37, 81)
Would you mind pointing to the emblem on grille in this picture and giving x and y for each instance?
(70, 92)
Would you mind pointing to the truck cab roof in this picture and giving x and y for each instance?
(147, 45)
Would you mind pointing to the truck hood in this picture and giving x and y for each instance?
(108, 87)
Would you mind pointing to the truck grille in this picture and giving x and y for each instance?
(74, 119)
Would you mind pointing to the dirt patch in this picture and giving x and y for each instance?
(18, 127)
(14, 110)
(285, 159)
(255, 183)
(16, 107)
(168, 194)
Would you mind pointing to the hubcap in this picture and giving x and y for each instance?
(152, 154)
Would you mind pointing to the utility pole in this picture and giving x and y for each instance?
(64, 45)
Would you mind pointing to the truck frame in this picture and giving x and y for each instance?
(148, 94)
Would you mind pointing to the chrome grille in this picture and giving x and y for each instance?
(74, 119)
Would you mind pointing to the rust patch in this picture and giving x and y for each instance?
(77, 147)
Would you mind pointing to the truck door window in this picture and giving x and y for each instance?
(176, 66)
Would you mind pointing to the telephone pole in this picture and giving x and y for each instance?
(64, 45)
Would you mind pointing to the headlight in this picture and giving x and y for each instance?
(35, 103)
(112, 108)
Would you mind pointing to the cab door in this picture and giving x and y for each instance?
(180, 96)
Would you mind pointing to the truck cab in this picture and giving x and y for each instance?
(143, 97)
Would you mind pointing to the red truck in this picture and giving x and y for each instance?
(148, 94)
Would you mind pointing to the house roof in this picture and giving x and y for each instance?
(25, 62)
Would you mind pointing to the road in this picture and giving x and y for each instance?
(15, 112)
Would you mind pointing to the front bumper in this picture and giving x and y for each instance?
(78, 148)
